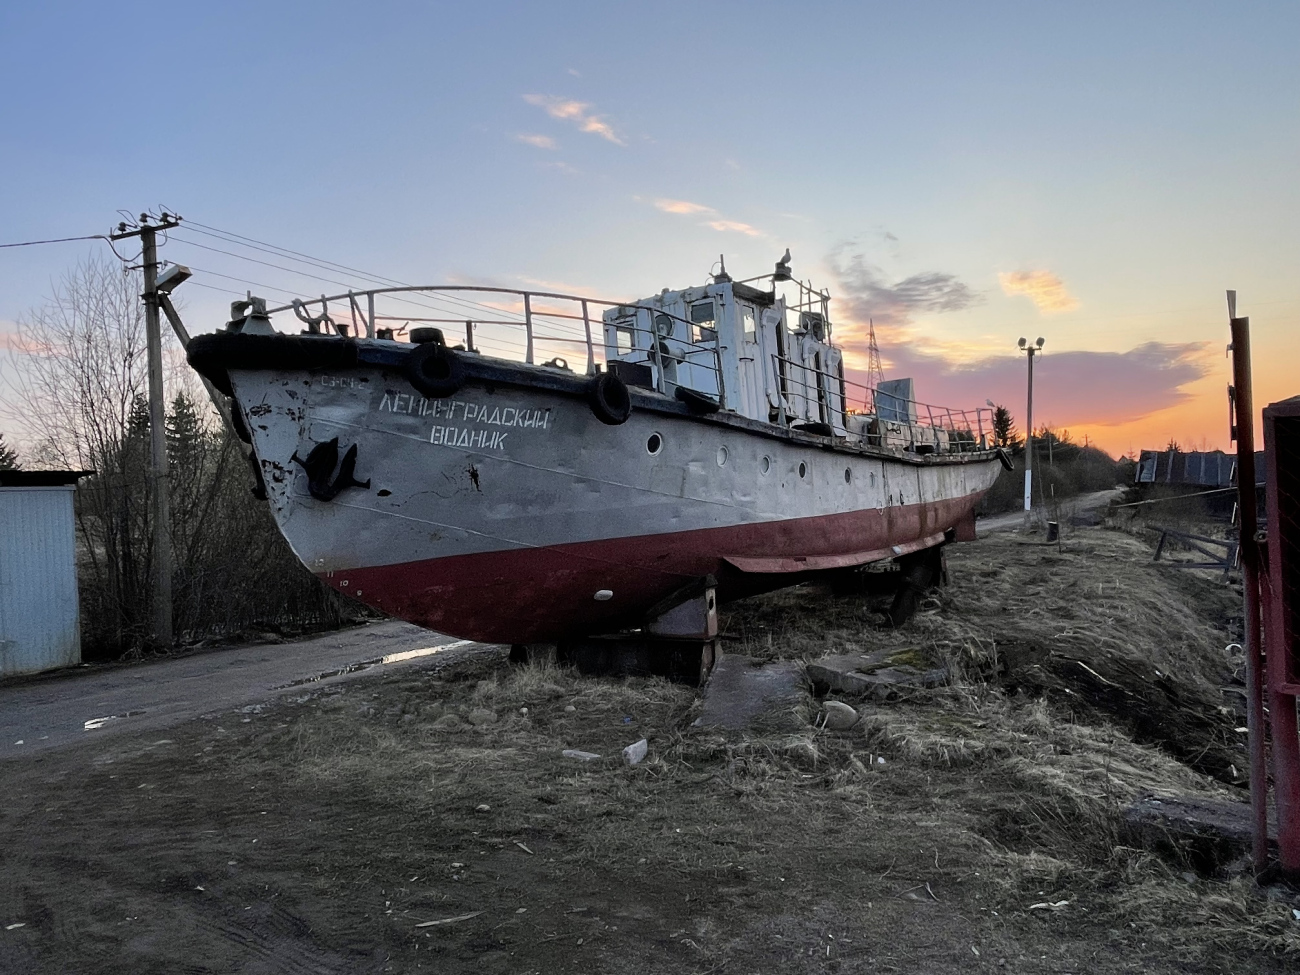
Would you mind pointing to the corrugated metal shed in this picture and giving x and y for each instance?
(1210, 468)
(39, 612)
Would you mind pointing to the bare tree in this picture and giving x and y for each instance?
(83, 370)
(80, 395)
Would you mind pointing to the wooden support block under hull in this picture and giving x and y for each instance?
(641, 655)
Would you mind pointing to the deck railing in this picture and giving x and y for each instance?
(550, 327)
(915, 424)
(525, 326)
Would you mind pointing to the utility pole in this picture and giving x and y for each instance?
(162, 539)
(1029, 430)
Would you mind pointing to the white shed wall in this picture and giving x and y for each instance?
(39, 614)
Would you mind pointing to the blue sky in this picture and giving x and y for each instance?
(964, 174)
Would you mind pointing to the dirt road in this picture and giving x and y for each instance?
(1074, 506)
(38, 714)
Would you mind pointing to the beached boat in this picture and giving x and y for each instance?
(524, 467)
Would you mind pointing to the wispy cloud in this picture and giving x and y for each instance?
(682, 206)
(736, 226)
(718, 222)
(870, 295)
(1077, 387)
(558, 287)
(1043, 288)
(579, 113)
(537, 141)
(13, 340)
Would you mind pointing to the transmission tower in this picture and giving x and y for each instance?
(875, 371)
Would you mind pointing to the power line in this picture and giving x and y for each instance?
(276, 250)
(316, 277)
(231, 277)
(213, 287)
(443, 302)
(318, 262)
(54, 240)
(254, 260)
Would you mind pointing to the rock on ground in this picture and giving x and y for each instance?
(636, 752)
(878, 675)
(838, 716)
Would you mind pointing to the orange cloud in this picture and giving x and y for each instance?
(1043, 288)
(537, 141)
(681, 206)
(734, 225)
(16, 342)
(687, 208)
(568, 110)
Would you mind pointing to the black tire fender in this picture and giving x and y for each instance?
(609, 399)
(696, 401)
(1005, 459)
(434, 370)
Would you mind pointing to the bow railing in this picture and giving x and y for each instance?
(534, 327)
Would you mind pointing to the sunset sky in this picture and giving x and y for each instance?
(963, 174)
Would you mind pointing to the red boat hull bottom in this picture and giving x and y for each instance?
(547, 593)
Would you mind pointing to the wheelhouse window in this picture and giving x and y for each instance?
(748, 325)
(624, 337)
(703, 317)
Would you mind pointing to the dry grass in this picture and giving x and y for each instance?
(1082, 678)
(938, 825)
(1093, 626)
(1017, 771)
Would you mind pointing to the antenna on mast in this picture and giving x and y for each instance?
(875, 371)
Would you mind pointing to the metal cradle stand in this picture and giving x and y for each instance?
(679, 640)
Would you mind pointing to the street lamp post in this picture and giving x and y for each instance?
(1029, 429)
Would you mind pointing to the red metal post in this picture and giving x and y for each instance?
(1244, 433)
(1282, 605)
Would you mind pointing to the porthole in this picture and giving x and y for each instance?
(722, 456)
(765, 465)
(848, 476)
(654, 444)
(803, 468)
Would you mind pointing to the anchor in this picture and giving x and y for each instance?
(319, 467)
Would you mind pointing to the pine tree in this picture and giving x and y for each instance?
(137, 421)
(185, 433)
(8, 456)
(1005, 433)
